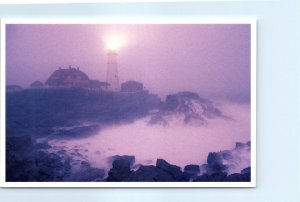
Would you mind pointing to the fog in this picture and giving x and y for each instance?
(212, 60)
(178, 143)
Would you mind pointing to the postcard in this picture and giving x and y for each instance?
(96, 103)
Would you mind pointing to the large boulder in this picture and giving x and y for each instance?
(131, 159)
(25, 162)
(171, 102)
(86, 173)
(120, 171)
(162, 172)
(215, 177)
(244, 176)
(203, 178)
(215, 163)
(226, 155)
(235, 177)
(173, 170)
(150, 174)
(191, 108)
(239, 145)
(191, 170)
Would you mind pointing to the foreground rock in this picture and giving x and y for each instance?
(215, 163)
(172, 170)
(150, 174)
(120, 170)
(86, 173)
(215, 177)
(216, 169)
(26, 161)
(189, 107)
(244, 176)
(162, 172)
(131, 159)
(191, 171)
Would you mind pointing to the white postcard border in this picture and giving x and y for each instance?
(132, 20)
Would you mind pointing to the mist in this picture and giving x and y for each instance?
(212, 60)
(178, 143)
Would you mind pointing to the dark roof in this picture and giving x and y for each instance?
(131, 83)
(61, 77)
(37, 84)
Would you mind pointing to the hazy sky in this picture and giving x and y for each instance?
(213, 60)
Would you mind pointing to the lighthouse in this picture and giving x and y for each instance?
(113, 43)
(112, 70)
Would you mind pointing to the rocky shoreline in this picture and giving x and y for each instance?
(73, 113)
(29, 162)
(214, 170)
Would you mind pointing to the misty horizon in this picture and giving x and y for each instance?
(212, 60)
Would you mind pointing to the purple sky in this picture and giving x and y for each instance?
(213, 60)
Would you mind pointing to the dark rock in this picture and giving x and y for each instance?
(217, 167)
(194, 109)
(246, 170)
(227, 156)
(131, 159)
(120, 171)
(213, 158)
(215, 177)
(25, 162)
(244, 176)
(204, 178)
(158, 119)
(191, 170)
(239, 145)
(173, 170)
(20, 143)
(150, 174)
(84, 165)
(219, 177)
(87, 173)
(215, 163)
(91, 175)
(43, 145)
(249, 144)
(162, 172)
(136, 166)
(61, 151)
(236, 177)
(171, 103)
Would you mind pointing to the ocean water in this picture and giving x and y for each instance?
(178, 143)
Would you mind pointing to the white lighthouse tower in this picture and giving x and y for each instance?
(112, 70)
